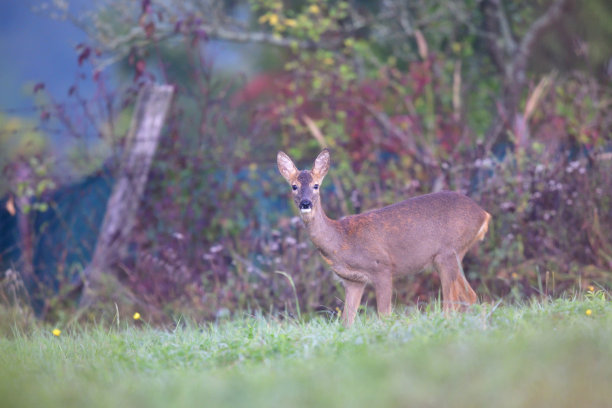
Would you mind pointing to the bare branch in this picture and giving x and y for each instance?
(422, 155)
(463, 17)
(525, 48)
(457, 91)
(514, 69)
(385, 123)
(504, 26)
(404, 19)
(494, 44)
(222, 33)
(538, 93)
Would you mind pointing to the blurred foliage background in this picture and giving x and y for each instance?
(505, 101)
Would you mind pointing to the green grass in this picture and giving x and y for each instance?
(536, 355)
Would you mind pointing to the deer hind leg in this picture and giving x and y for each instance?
(456, 291)
(353, 292)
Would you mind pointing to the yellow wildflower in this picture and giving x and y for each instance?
(263, 19)
(136, 316)
(273, 19)
(290, 22)
(56, 332)
(589, 312)
(591, 288)
(314, 9)
(338, 311)
(328, 61)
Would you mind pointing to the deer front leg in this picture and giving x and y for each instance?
(456, 291)
(353, 292)
(384, 290)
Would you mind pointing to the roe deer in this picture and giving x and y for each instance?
(402, 238)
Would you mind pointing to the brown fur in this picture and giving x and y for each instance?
(373, 247)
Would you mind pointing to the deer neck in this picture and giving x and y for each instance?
(323, 231)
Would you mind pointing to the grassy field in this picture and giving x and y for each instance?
(554, 353)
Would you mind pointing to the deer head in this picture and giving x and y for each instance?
(306, 183)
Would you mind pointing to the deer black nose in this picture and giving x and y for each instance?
(305, 205)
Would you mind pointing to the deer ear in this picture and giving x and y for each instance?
(286, 167)
(321, 165)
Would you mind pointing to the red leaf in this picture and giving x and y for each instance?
(96, 75)
(150, 29)
(202, 34)
(84, 55)
(140, 68)
(39, 87)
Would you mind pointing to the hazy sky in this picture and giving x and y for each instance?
(34, 48)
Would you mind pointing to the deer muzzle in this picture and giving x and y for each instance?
(305, 206)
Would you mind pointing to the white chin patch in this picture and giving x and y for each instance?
(305, 210)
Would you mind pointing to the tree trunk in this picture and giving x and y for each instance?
(151, 109)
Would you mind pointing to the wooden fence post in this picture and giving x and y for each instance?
(151, 109)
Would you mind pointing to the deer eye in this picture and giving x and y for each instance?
(316, 187)
(294, 187)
